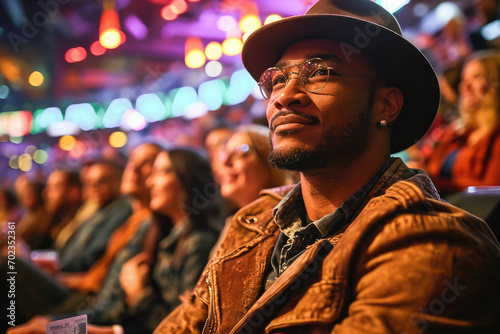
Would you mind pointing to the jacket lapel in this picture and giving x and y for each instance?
(279, 294)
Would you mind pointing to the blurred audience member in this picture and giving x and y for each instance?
(10, 211)
(183, 191)
(34, 223)
(86, 210)
(88, 242)
(416, 155)
(246, 170)
(62, 195)
(214, 145)
(70, 291)
(469, 151)
(448, 43)
(132, 231)
(485, 12)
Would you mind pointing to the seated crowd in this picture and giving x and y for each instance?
(145, 246)
(123, 245)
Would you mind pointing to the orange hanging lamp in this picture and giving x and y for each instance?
(110, 35)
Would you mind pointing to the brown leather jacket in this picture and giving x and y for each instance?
(408, 263)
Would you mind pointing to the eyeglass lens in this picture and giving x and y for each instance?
(313, 75)
(236, 153)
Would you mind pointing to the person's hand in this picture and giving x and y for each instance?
(134, 277)
(35, 326)
(94, 329)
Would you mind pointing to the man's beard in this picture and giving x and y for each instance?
(347, 141)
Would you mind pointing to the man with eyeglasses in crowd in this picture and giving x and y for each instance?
(363, 244)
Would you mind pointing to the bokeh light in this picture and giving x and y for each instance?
(40, 156)
(226, 23)
(232, 46)
(4, 91)
(151, 107)
(195, 59)
(213, 68)
(74, 55)
(195, 110)
(134, 120)
(36, 79)
(272, 18)
(30, 149)
(110, 38)
(78, 150)
(79, 54)
(123, 37)
(14, 162)
(184, 96)
(250, 22)
(97, 49)
(136, 27)
(16, 140)
(179, 6)
(25, 162)
(212, 93)
(167, 14)
(19, 123)
(118, 139)
(116, 110)
(81, 114)
(213, 51)
(67, 143)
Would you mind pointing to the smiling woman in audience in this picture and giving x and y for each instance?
(246, 170)
(469, 152)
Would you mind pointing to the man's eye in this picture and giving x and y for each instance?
(279, 80)
(320, 72)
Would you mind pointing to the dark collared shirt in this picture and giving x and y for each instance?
(298, 232)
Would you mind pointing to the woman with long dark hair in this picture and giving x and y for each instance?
(183, 190)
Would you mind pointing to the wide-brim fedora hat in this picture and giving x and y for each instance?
(361, 26)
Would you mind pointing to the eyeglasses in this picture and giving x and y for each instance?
(237, 153)
(313, 75)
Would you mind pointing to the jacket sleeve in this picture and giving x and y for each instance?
(189, 317)
(412, 279)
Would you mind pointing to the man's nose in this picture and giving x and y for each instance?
(292, 93)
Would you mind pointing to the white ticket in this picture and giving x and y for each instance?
(74, 325)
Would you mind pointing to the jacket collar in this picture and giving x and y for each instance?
(290, 211)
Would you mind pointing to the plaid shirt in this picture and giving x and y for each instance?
(298, 232)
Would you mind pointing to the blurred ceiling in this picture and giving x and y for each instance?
(35, 35)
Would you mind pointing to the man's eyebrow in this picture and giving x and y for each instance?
(324, 56)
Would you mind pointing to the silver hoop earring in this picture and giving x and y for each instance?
(382, 123)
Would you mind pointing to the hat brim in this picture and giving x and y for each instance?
(405, 66)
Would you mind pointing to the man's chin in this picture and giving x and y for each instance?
(297, 159)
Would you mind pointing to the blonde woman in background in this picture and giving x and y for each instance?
(245, 170)
(469, 152)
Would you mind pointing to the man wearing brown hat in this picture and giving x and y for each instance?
(362, 244)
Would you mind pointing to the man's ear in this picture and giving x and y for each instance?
(389, 101)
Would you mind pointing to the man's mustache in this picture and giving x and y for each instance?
(282, 113)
